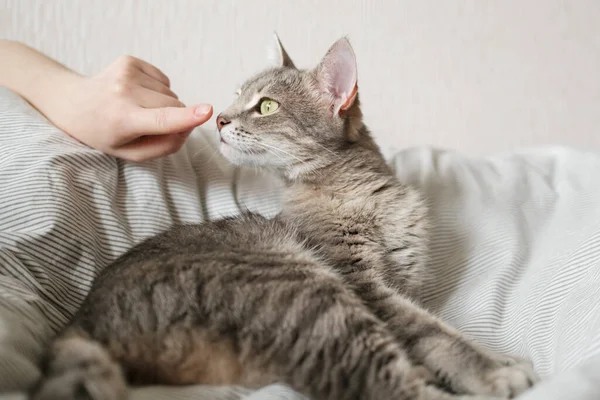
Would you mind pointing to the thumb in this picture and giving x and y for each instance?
(165, 120)
(150, 147)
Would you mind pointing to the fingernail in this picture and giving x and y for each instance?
(202, 110)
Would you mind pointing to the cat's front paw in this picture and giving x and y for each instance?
(511, 379)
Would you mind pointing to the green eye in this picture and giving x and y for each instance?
(268, 106)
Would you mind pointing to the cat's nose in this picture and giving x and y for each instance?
(221, 122)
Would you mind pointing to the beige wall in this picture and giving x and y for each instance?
(479, 75)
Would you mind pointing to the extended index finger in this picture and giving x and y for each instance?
(166, 120)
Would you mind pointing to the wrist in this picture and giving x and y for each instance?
(53, 91)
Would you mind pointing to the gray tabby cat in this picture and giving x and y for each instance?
(321, 297)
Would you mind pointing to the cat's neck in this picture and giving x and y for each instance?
(351, 172)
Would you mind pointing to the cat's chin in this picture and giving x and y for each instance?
(238, 157)
(232, 155)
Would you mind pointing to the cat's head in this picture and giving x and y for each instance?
(291, 120)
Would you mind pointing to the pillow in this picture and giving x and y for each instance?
(515, 250)
(516, 256)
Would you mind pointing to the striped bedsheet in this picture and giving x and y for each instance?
(515, 250)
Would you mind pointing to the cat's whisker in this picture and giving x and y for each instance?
(289, 167)
(269, 148)
(213, 152)
(199, 150)
(257, 166)
(329, 150)
(286, 153)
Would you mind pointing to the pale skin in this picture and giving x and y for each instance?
(128, 110)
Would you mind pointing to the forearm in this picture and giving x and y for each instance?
(37, 78)
(128, 110)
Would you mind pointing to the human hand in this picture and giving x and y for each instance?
(128, 110)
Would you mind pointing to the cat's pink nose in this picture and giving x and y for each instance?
(221, 122)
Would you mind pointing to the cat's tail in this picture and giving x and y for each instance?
(76, 367)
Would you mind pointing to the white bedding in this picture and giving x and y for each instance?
(516, 245)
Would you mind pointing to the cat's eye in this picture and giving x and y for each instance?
(268, 106)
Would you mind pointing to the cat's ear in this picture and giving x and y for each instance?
(277, 54)
(337, 75)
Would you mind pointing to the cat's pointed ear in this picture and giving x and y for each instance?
(277, 54)
(337, 75)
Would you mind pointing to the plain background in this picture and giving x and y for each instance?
(478, 76)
